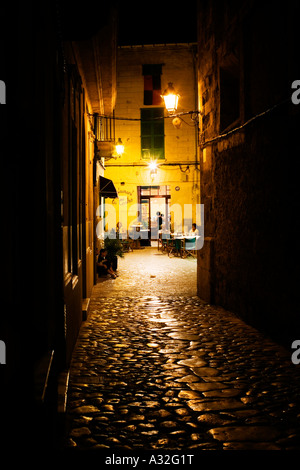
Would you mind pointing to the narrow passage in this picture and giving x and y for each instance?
(156, 368)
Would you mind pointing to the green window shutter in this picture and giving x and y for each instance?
(152, 133)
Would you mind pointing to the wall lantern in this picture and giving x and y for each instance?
(171, 98)
(152, 165)
(120, 147)
(153, 168)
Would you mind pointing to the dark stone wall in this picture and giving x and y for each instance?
(255, 210)
(248, 176)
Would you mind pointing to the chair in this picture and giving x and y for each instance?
(164, 245)
(189, 247)
(163, 239)
(126, 245)
(175, 246)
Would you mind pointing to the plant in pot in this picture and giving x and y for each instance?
(114, 249)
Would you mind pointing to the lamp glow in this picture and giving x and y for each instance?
(152, 166)
(170, 98)
(120, 147)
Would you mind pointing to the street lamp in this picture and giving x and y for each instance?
(152, 165)
(171, 98)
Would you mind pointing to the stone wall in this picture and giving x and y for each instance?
(248, 183)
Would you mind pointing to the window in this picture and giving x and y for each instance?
(152, 84)
(152, 133)
(229, 94)
(73, 203)
(154, 190)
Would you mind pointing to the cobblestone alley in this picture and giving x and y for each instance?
(155, 368)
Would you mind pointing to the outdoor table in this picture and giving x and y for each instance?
(137, 227)
(181, 247)
(141, 238)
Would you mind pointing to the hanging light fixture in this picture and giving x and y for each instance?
(152, 165)
(171, 98)
(120, 147)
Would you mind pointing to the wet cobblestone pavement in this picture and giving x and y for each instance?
(155, 368)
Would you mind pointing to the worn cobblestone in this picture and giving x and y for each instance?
(157, 368)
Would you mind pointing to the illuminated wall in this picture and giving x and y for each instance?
(178, 168)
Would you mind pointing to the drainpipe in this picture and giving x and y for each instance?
(195, 61)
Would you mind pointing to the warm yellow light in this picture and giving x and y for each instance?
(152, 165)
(120, 147)
(171, 98)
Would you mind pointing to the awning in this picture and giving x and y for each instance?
(107, 188)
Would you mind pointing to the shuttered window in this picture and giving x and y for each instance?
(152, 84)
(152, 133)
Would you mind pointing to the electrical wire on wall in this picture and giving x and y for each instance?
(218, 137)
(236, 129)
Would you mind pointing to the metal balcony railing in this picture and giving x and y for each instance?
(105, 135)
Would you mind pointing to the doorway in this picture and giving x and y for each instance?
(155, 209)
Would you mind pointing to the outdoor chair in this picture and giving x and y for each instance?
(126, 245)
(189, 247)
(162, 241)
(164, 245)
(175, 247)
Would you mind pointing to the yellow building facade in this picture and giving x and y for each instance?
(158, 171)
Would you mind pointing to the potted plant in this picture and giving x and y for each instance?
(114, 249)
